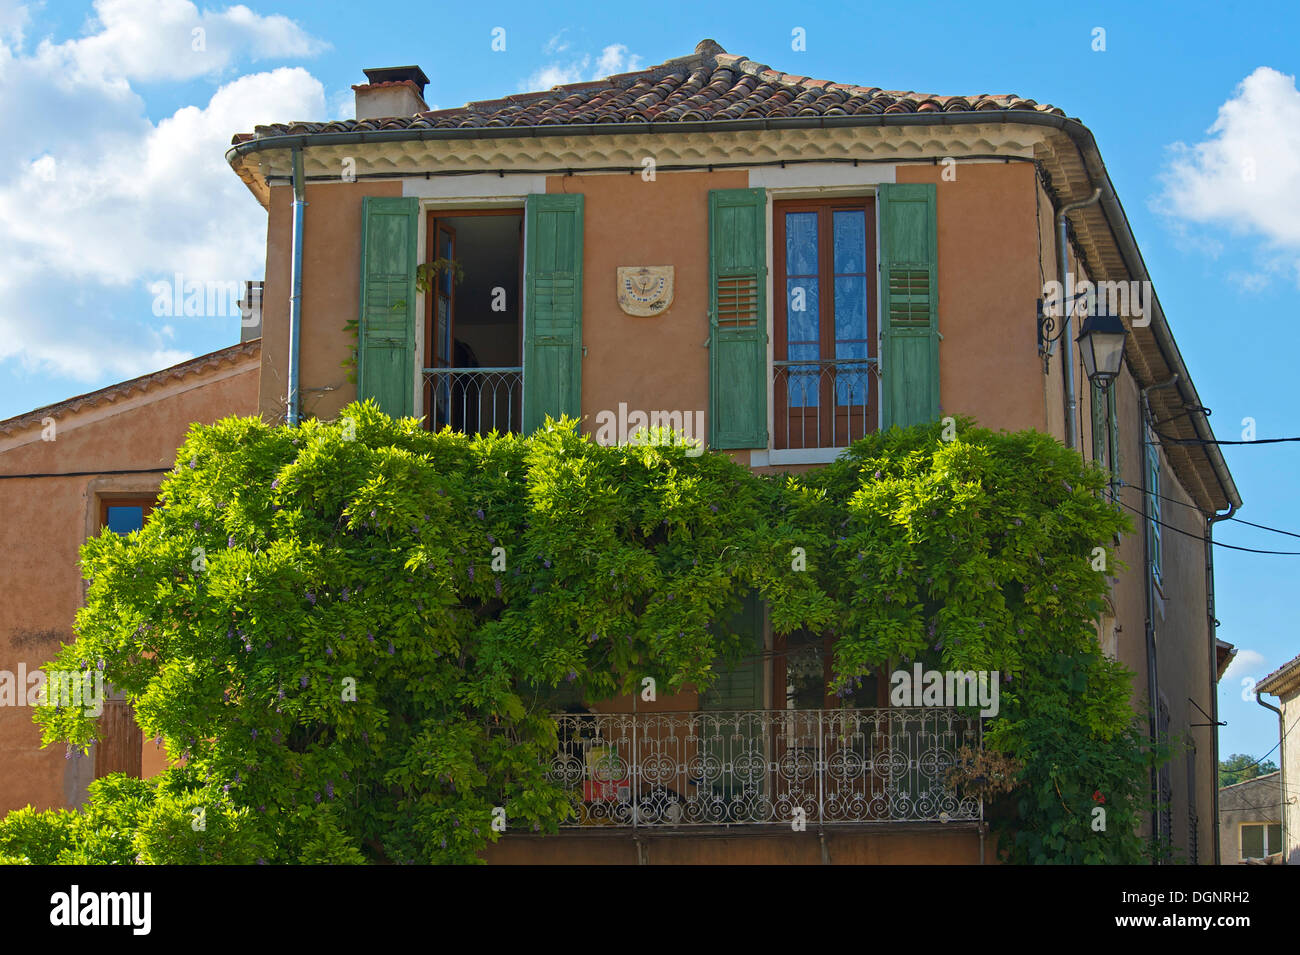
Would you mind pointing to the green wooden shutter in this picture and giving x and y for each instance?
(1154, 528)
(552, 308)
(740, 687)
(909, 296)
(1112, 402)
(733, 739)
(1100, 424)
(738, 318)
(386, 329)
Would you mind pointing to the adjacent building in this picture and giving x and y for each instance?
(1250, 820)
(1284, 683)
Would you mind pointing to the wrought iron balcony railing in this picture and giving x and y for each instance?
(757, 767)
(474, 400)
(822, 403)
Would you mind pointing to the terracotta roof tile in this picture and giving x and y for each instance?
(710, 84)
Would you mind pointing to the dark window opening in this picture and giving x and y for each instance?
(473, 340)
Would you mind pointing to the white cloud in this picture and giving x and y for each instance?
(14, 18)
(557, 43)
(153, 40)
(102, 202)
(1247, 663)
(613, 59)
(1245, 176)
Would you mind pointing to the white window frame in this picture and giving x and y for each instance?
(1268, 850)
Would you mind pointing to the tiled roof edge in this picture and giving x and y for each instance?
(232, 354)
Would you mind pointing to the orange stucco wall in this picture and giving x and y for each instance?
(656, 363)
(988, 286)
(45, 522)
(331, 282)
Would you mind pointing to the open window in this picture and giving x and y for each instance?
(473, 343)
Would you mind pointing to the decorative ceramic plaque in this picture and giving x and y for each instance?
(645, 289)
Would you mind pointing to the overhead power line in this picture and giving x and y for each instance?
(1172, 440)
(1179, 530)
(1174, 500)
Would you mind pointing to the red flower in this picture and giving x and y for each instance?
(1097, 796)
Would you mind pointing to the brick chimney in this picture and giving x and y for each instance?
(391, 91)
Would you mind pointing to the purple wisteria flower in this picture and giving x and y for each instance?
(391, 649)
(275, 485)
(497, 584)
(329, 651)
(230, 541)
(302, 682)
(479, 514)
(311, 598)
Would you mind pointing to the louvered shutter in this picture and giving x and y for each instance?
(738, 318)
(733, 740)
(552, 308)
(909, 284)
(386, 329)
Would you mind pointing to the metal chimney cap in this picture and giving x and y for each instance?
(396, 74)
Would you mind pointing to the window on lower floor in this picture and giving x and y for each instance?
(825, 258)
(124, 515)
(1260, 839)
(120, 748)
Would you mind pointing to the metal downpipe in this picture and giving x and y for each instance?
(1211, 614)
(1281, 751)
(293, 412)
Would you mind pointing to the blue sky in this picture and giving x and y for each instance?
(119, 181)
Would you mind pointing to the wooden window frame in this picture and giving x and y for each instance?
(828, 417)
(147, 502)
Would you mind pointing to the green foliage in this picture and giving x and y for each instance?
(1240, 767)
(317, 621)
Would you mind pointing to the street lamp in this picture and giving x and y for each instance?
(1101, 343)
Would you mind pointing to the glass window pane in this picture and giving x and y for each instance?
(123, 519)
(850, 307)
(802, 310)
(1252, 842)
(445, 251)
(850, 237)
(801, 243)
(802, 380)
(1274, 838)
(852, 381)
